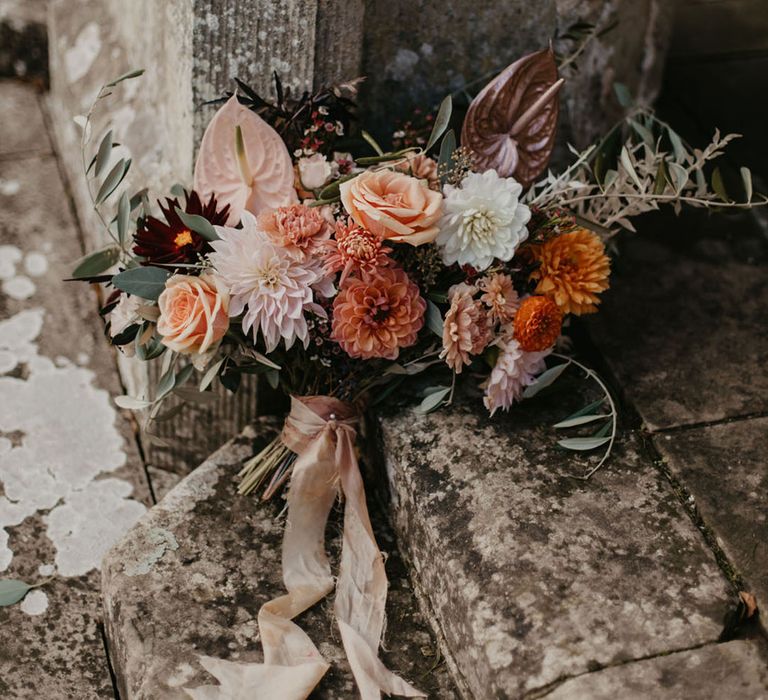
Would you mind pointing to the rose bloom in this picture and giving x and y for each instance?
(193, 314)
(314, 171)
(376, 315)
(393, 205)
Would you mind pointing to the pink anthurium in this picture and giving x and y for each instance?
(244, 162)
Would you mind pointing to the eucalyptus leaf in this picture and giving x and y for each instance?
(677, 145)
(544, 380)
(442, 120)
(103, 154)
(97, 262)
(581, 420)
(177, 190)
(183, 376)
(123, 217)
(433, 400)
(198, 224)
(719, 186)
(746, 177)
(447, 147)
(112, 180)
(131, 403)
(166, 384)
(372, 142)
(583, 443)
(12, 591)
(126, 76)
(679, 175)
(210, 374)
(146, 282)
(434, 319)
(626, 161)
(273, 378)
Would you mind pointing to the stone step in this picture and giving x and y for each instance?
(190, 577)
(531, 577)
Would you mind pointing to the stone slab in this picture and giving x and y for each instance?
(23, 129)
(532, 576)
(685, 325)
(24, 40)
(736, 669)
(71, 480)
(190, 577)
(724, 468)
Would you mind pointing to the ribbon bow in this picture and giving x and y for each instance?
(321, 430)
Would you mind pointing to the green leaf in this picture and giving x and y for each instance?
(264, 360)
(103, 154)
(145, 282)
(126, 76)
(677, 145)
(273, 378)
(191, 395)
(746, 177)
(581, 420)
(183, 376)
(166, 384)
(662, 178)
(433, 400)
(626, 161)
(679, 175)
(131, 403)
(210, 374)
(177, 190)
(112, 180)
(447, 147)
(718, 186)
(544, 380)
(12, 591)
(434, 319)
(587, 409)
(198, 224)
(583, 443)
(97, 262)
(372, 142)
(441, 122)
(623, 95)
(644, 133)
(123, 217)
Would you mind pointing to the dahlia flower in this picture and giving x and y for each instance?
(298, 228)
(537, 323)
(514, 370)
(171, 241)
(573, 270)
(483, 220)
(268, 284)
(377, 314)
(355, 248)
(465, 329)
(499, 296)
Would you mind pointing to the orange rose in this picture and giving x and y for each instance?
(393, 205)
(193, 314)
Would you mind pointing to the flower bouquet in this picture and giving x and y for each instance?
(338, 270)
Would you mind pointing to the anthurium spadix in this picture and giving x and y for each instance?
(244, 162)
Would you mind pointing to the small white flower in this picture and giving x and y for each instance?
(269, 285)
(314, 171)
(125, 314)
(483, 220)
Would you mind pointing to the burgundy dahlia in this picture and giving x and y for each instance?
(171, 242)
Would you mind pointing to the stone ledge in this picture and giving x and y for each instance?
(190, 578)
(737, 669)
(539, 577)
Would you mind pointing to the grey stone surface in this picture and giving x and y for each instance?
(531, 576)
(736, 669)
(23, 131)
(724, 468)
(685, 325)
(417, 51)
(81, 474)
(190, 578)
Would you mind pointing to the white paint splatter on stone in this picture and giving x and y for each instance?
(35, 603)
(9, 256)
(19, 287)
(9, 188)
(36, 264)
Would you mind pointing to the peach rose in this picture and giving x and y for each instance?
(193, 314)
(393, 205)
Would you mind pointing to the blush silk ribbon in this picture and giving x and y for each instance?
(321, 431)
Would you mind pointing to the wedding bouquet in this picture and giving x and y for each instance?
(337, 270)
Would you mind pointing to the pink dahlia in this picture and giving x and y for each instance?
(355, 248)
(377, 314)
(499, 296)
(514, 370)
(465, 329)
(297, 228)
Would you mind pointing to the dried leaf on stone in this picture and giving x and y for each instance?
(510, 126)
(250, 172)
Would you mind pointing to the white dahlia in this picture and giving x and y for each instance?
(483, 220)
(514, 370)
(269, 285)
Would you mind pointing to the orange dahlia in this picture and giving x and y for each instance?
(573, 271)
(355, 248)
(377, 314)
(499, 296)
(537, 324)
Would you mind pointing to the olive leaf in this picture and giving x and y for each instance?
(434, 319)
(510, 126)
(583, 443)
(12, 591)
(544, 380)
(103, 154)
(97, 262)
(441, 122)
(433, 399)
